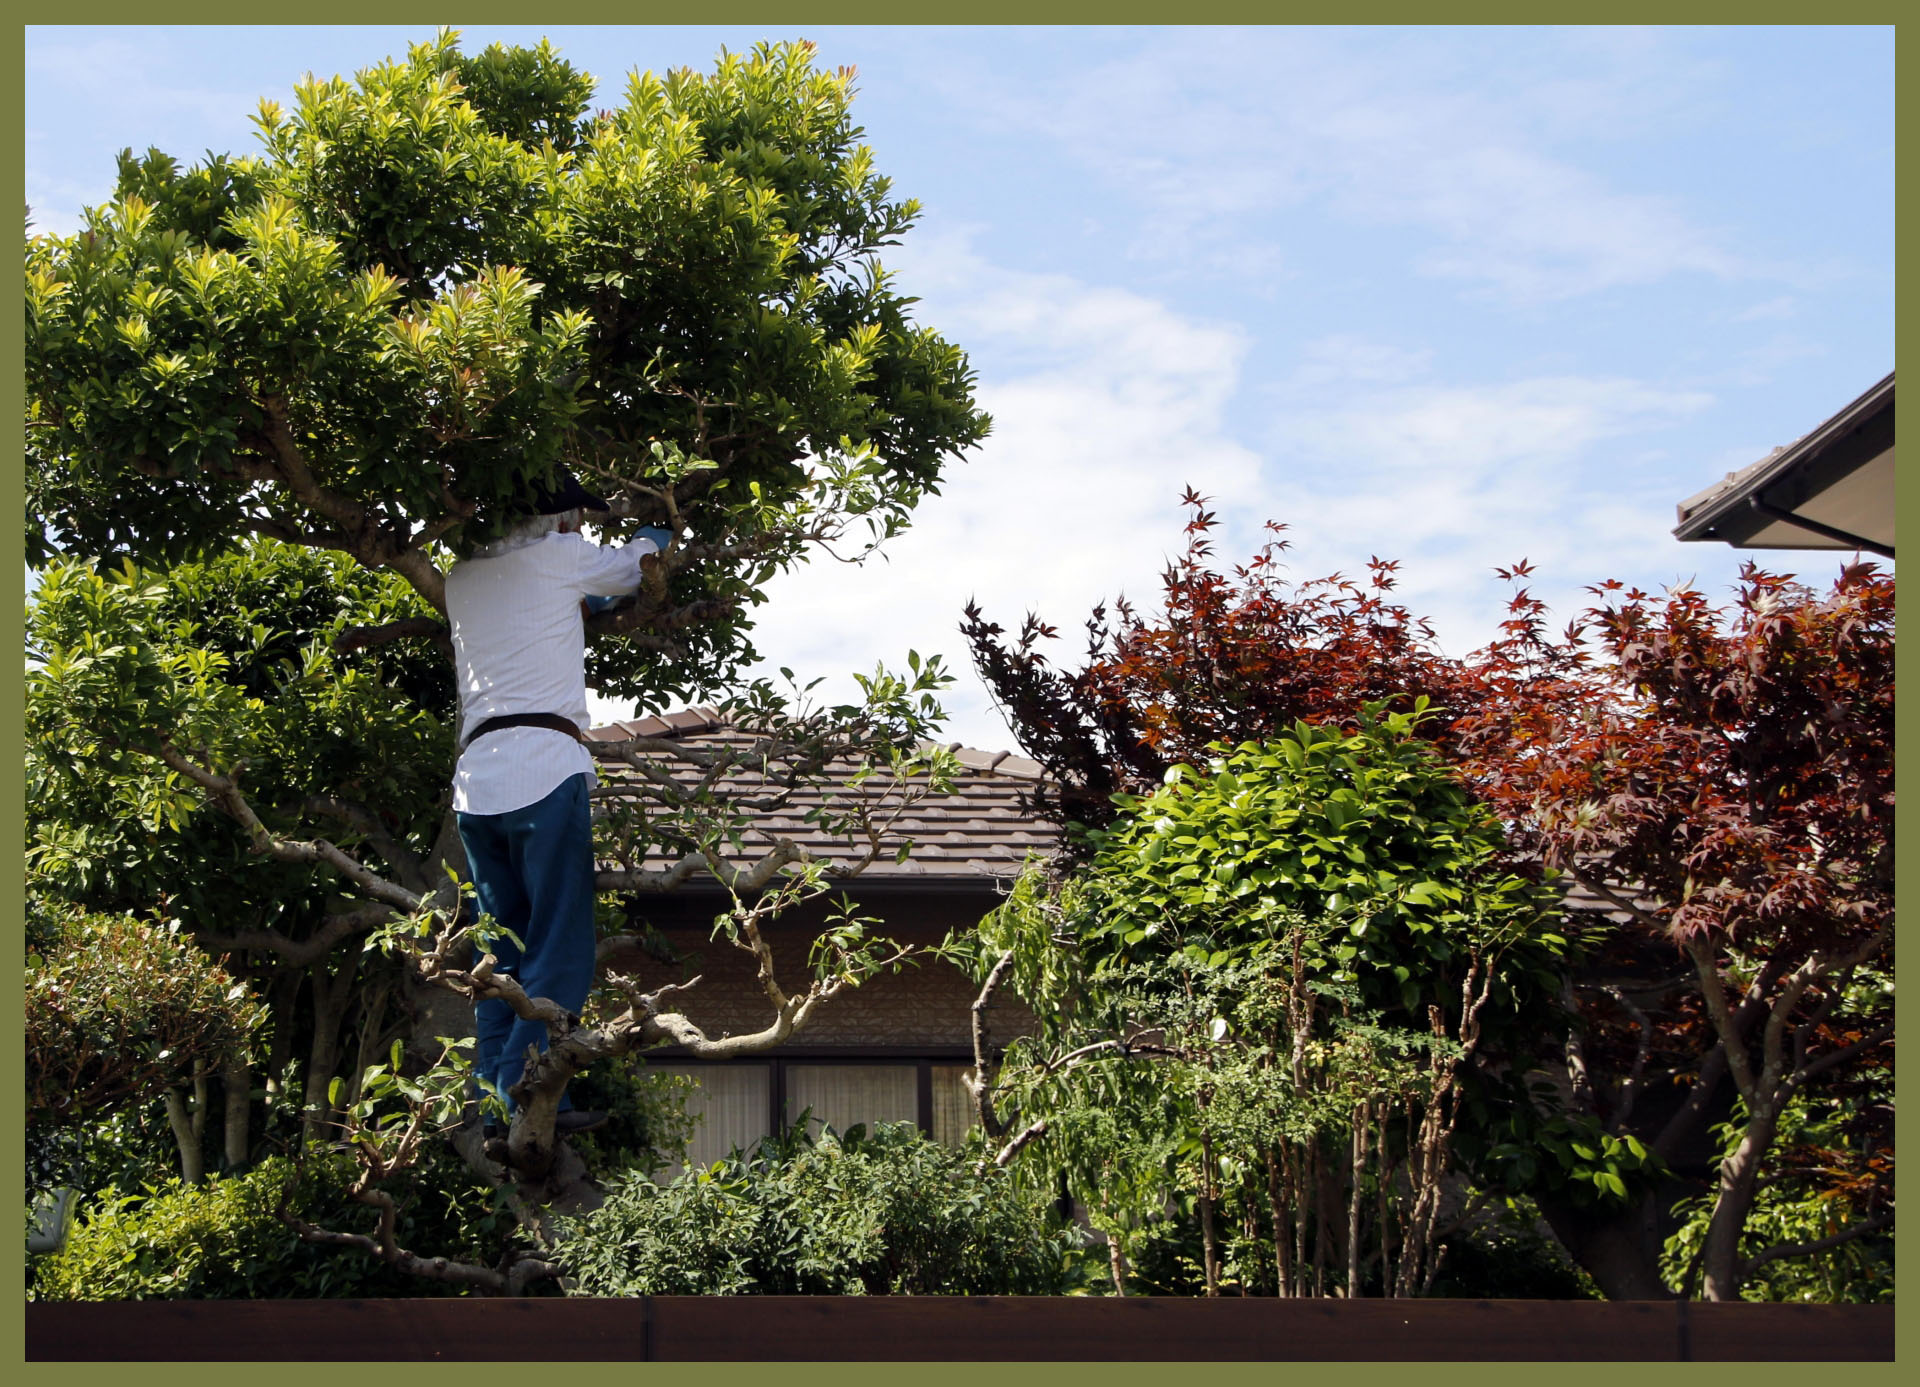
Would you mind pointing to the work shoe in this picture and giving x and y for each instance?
(573, 1121)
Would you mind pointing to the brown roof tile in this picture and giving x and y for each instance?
(978, 831)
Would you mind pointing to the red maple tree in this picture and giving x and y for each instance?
(1722, 780)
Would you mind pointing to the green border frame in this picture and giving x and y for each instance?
(796, 16)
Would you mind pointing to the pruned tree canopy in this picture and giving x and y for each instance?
(449, 274)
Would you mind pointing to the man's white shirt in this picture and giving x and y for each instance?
(520, 647)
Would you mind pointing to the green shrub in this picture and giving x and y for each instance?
(118, 1008)
(223, 1240)
(886, 1213)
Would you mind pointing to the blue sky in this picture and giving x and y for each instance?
(1450, 296)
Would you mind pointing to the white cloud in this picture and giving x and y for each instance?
(1456, 479)
(1113, 403)
(1783, 307)
(1216, 132)
(101, 79)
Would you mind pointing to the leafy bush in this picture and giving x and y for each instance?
(118, 1008)
(886, 1213)
(1811, 1188)
(223, 1240)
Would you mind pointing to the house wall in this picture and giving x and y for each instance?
(925, 1008)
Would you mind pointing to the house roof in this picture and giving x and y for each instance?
(1832, 489)
(972, 836)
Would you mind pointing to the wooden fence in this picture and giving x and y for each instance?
(956, 1329)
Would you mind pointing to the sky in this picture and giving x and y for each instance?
(1454, 297)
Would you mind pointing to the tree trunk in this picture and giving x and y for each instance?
(236, 1079)
(1209, 1245)
(1311, 1194)
(283, 1001)
(1739, 1178)
(1117, 1263)
(192, 1164)
(1282, 1271)
(1353, 1201)
(1385, 1178)
(1619, 1250)
(330, 996)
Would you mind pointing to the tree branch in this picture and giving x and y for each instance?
(298, 953)
(1827, 1059)
(412, 628)
(225, 794)
(1858, 1230)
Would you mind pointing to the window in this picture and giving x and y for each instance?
(735, 1103)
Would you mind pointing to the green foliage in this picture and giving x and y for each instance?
(1254, 1001)
(1509, 1255)
(118, 1009)
(233, 659)
(224, 1240)
(1799, 1201)
(442, 277)
(1535, 1147)
(886, 1213)
(647, 1123)
(1369, 831)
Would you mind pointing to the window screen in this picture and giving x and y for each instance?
(729, 1106)
(953, 1109)
(843, 1094)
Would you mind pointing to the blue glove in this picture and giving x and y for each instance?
(659, 534)
(598, 604)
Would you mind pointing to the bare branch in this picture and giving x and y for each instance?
(1036, 1130)
(298, 953)
(1847, 1235)
(412, 628)
(978, 1085)
(225, 795)
(367, 824)
(433, 1268)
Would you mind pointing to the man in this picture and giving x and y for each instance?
(520, 786)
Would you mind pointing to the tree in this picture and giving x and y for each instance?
(1719, 779)
(1297, 949)
(434, 284)
(1724, 779)
(121, 1010)
(1230, 658)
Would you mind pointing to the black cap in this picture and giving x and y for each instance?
(565, 494)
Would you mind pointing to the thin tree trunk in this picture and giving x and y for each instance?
(329, 1006)
(1282, 1271)
(1117, 1263)
(236, 1079)
(1330, 1213)
(1209, 1245)
(1250, 1228)
(370, 1040)
(199, 1105)
(1739, 1179)
(283, 1002)
(1353, 1200)
(1386, 1221)
(1316, 1191)
(192, 1163)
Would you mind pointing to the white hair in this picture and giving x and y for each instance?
(525, 532)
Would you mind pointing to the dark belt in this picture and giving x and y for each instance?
(551, 721)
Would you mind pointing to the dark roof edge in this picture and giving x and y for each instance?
(706, 718)
(1719, 501)
(901, 883)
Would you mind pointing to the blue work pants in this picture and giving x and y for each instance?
(533, 873)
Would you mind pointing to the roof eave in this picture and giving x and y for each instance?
(1740, 509)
